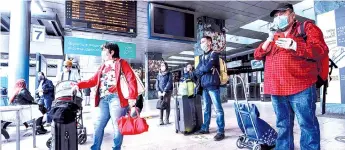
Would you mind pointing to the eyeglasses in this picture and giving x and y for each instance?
(68, 66)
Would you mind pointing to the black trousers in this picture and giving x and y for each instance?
(167, 99)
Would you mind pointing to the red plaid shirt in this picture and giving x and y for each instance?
(288, 72)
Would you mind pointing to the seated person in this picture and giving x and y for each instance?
(21, 96)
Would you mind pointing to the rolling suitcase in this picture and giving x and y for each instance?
(64, 136)
(188, 119)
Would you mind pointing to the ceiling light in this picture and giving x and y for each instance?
(182, 58)
(305, 9)
(257, 25)
(176, 62)
(240, 39)
(229, 48)
(172, 65)
(187, 53)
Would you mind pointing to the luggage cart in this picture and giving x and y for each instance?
(257, 133)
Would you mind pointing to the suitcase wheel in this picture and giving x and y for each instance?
(257, 147)
(82, 138)
(49, 143)
(240, 142)
(176, 131)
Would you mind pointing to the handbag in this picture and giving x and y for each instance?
(161, 104)
(132, 125)
(124, 84)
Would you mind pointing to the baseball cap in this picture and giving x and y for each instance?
(281, 6)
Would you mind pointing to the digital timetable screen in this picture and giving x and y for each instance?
(102, 16)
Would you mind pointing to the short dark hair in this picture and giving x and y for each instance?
(112, 47)
(208, 38)
(41, 74)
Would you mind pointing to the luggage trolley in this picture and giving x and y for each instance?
(62, 94)
(257, 132)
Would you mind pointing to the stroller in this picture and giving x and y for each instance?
(63, 94)
(257, 133)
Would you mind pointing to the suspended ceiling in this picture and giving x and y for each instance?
(235, 13)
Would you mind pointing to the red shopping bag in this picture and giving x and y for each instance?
(132, 125)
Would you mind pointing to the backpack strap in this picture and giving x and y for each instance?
(301, 30)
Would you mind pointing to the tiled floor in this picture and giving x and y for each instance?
(165, 138)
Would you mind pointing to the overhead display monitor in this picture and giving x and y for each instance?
(167, 22)
(102, 16)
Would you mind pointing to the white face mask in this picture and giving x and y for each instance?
(204, 47)
(281, 22)
(163, 68)
(104, 55)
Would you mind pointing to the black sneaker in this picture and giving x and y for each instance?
(161, 122)
(201, 132)
(219, 137)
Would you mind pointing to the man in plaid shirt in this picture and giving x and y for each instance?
(290, 76)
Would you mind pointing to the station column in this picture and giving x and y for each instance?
(19, 42)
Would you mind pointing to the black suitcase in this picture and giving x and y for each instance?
(64, 136)
(184, 121)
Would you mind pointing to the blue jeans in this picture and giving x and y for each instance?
(110, 108)
(48, 104)
(303, 106)
(212, 96)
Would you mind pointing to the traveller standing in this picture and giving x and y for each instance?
(45, 92)
(164, 86)
(87, 93)
(210, 82)
(109, 97)
(290, 76)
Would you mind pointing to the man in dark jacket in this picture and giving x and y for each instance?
(210, 82)
(45, 91)
(164, 86)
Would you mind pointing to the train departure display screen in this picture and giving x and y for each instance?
(103, 16)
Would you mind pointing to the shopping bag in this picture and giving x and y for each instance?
(190, 88)
(132, 125)
(182, 89)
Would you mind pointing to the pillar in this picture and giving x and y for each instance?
(146, 79)
(19, 42)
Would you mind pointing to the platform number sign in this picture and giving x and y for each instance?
(38, 33)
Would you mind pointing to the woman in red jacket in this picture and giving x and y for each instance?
(109, 97)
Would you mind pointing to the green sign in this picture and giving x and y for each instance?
(81, 46)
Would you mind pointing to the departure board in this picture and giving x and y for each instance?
(103, 16)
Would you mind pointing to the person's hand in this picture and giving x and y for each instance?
(75, 88)
(163, 94)
(271, 31)
(40, 93)
(286, 43)
(131, 102)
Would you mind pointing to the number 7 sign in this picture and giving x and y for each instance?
(38, 33)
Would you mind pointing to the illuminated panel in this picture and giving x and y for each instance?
(103, 16)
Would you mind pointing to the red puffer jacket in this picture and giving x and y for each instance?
(127, 72)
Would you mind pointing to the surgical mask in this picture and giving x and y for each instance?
(204, 47)
(163, 68)
(281, 22)
(104, 55)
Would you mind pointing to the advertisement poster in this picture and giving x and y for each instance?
(332, 24)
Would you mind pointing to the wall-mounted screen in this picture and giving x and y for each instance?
(171, 23)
